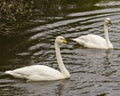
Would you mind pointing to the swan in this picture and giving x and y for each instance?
(95, 41)
(42, 72)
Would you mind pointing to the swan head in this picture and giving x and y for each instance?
(61, 40)
(107, 21)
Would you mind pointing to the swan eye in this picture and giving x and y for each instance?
(62, 39)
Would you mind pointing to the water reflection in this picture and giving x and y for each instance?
(52, 88)
(93, 72)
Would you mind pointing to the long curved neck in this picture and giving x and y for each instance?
(106, 34)
(62, 67)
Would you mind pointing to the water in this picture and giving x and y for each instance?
(93, 72)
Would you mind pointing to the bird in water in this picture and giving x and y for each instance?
(42, 72)
(95, 41)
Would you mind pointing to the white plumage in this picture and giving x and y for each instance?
(95, 41)
(36, 73)
(42, 72)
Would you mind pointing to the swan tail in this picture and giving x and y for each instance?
(17, 75)
(8, 72)
(75, 39)
(79, 40)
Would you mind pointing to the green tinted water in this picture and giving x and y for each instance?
(93, 72)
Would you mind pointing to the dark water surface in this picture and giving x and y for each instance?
(93, 72)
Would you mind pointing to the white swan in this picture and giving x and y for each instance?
(42, 72)
(95, 41)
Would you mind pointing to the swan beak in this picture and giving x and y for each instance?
(109, 23)
(64, 41)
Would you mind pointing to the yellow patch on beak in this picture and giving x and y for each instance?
(64, 41)
(108, 22)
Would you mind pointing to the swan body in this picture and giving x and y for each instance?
(42, 72)
(36, 73)
(95, 41)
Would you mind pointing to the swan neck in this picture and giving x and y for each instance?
(62, 67)
(106, 33)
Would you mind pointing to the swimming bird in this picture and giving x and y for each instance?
(42, 72)
(95, 41)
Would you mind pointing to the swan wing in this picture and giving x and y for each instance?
(91, 41)
(95, 39)
(36, 73)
